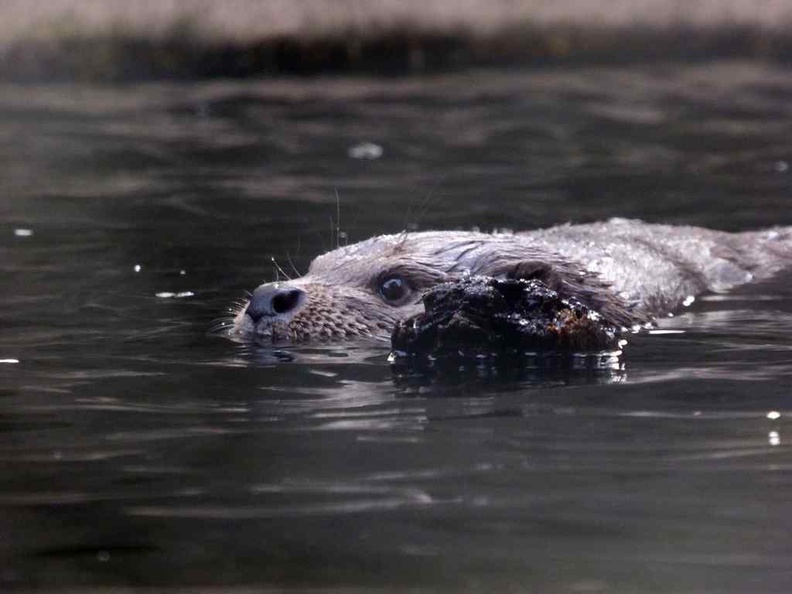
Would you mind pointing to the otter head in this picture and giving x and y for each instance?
(363, 290)
(360, 290)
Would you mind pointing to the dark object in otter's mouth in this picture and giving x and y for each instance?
(482, 316)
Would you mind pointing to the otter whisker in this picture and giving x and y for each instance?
(336, 234)
(291, 263)
(222, 325)
(237, 307)
(279, 269)
(239, 304)
(338, 219)
(289, 258)
(424, 205)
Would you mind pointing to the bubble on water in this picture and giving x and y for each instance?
(773, 438)
(137, 268)
(773, 415)
(23, 232)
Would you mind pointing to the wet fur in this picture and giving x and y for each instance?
(627, 270)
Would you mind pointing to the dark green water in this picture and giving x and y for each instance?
(138, 450)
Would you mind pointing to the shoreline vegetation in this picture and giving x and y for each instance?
(119, 40)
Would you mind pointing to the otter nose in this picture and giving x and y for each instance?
(274, 299)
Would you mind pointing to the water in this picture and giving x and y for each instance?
(138, 450)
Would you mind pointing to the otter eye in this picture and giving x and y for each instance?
(393, 289)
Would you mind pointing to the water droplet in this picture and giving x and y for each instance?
(23, 232)
(365, 150)
(137, 268)
(169, 295)
(773, 415)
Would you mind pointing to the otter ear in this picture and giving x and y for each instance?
(536, 269)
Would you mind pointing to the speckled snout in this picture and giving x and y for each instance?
(305, 310)
(270, 310)
(275, 299)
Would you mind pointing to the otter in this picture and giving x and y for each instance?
(628, 271)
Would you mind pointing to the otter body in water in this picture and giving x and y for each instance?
(627, 271)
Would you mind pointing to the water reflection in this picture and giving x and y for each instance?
(527, 370)
(300, 498)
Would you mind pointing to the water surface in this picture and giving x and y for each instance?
(139, 450)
